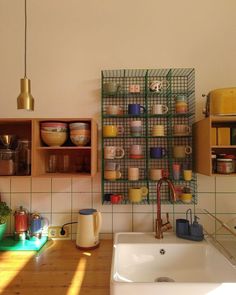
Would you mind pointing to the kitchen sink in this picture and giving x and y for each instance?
(142, 264)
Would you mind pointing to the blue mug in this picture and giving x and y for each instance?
(136, 109)
(157, 152)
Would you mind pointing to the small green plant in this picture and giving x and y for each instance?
(4, 212)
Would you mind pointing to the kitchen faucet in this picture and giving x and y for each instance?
(161, 227)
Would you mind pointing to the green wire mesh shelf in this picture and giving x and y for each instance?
(179, 82)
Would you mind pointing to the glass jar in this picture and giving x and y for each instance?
(24, 149)
(225, 166)
(8, 162)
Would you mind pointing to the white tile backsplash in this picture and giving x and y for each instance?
(60, 219)
(41, 185)
(205, 184)
(5, 184)
(226, 203)
(41, 202)
(21, 185)
(122, 222)
(61, 202)
(81, 201)
(61, 198)
(83, 185)
(143, 222)
(226, 184)
(20, 199)
(61, 185)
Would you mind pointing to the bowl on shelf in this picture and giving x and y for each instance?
(79, 126)
(80, 132)
(80, 140)
(52, 138)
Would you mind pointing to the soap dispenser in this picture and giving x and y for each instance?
(196, 229)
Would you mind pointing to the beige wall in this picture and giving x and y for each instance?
(71, 41)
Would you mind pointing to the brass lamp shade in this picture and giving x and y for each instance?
(25, 100)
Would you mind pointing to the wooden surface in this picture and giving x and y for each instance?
(58, 268)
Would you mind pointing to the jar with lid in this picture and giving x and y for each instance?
(225, 166)
(24, 149)
(233, 159)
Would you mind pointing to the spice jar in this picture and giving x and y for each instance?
(225, 166)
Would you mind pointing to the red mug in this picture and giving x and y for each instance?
(116, 199)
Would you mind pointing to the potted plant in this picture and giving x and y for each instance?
(4, 212)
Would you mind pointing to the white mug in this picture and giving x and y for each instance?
(114, 110)
(113, 152)
(158, 109)
(180, 151)
(181, 129)
(156, 174)
(157, 86)
(133, 173)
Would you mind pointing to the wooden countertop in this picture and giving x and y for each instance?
(58, 268)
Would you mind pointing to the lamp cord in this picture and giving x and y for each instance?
(25, 37)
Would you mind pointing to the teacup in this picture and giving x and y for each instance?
(112, 130)
(113, 152)
(136, 128)
(111, 87)
(112, 174)
(114, 110)
(157, 86)
(186, 198)
(116, 198)
(158, 109)
(181, 129)
(156, 174)
(111, 166)
(136, 194)
(180, 151)
(157, 152)
(136, 151)
(133, 173)
(158, 130)
(136, 109)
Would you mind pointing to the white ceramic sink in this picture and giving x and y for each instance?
(142, 264)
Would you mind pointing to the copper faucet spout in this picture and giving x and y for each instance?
(159, 224)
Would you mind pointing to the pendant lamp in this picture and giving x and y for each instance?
(25, 100)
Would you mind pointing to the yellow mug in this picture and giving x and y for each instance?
(112, 130)
(136, 194)
(187, 175)
(186, 198)
(112, 174)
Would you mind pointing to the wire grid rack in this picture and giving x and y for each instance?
(176, 82)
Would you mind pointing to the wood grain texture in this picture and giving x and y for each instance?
(58, 268)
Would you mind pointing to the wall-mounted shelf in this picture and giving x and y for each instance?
(203, 142)
(30, 129)
(180, 82)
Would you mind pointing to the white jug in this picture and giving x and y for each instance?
(88, 228)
